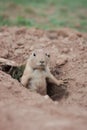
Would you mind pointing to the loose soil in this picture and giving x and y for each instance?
(24, 110)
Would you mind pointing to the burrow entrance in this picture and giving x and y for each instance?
(55, 92)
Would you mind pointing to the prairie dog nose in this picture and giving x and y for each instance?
(42, 61)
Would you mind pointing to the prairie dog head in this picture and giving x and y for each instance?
(39, 59)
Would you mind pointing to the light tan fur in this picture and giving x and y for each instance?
(37, 71)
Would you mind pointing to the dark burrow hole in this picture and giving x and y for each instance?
(55, 92)
(15, 72)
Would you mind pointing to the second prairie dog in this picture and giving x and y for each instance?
(37, 71)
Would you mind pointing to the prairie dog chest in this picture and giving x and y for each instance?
(39, 76)
(38, 81)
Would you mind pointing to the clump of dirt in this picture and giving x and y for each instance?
(19, 107)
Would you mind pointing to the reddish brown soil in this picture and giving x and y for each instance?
(24, 110)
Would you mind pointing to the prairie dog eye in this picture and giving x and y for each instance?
(47, 55)
(34, 54)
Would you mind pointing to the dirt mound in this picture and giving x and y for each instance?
(21, 109)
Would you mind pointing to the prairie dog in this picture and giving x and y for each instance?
(37, 71)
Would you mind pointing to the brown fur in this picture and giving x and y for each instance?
(37, 71)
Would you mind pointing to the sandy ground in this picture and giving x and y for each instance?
(22, 109)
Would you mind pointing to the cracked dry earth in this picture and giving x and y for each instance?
(25, 110)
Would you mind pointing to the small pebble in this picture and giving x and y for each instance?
(46, 97)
